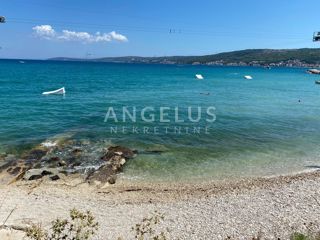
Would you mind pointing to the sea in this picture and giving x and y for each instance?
(221, 127)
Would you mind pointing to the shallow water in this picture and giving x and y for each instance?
(261, 127)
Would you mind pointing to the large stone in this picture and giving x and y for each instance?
(120, 151)
(53, 162)
(76, 151)
(35, 154)
(108, 172)
(55, 177)
(116, 157)
(7, 162)
(14, 170)
(34, 174)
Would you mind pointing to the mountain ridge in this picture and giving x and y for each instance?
(304, 57)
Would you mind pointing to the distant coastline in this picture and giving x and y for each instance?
(306, 58)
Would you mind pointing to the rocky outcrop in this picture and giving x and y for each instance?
(52, 162)
(115, 159)
(35, 174)
(35, 154)
(119, 151)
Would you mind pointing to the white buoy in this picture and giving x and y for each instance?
(199, 77)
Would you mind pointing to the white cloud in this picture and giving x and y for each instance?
(44, 31)
(118, 37)
(75, 36)
(47, 32)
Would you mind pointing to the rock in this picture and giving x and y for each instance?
(34, 174)
(55, 162)
(112, 180)
(54, 159)
(122, 161)
(55, 177)
(103, 174)
(6, 165)
(73, 162)
(116, 157)
(85, 142)
(120, 151)
(14, 170)
(46, 173)
(51, 162)
(107, 173)
(17, 168)
(35, 154)
(77, 151)
(10, 158)
(7, 162)
(62, 163)
(35, 177)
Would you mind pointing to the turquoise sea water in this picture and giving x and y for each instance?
(261, 127)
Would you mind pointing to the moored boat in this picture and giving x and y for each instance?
(313, 71)
(199, 77)
(58, 91)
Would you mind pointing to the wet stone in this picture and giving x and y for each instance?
(55, 178)
(34, 174)
(119, 150)
(112, 180)
(35, 155)
(35, 177)
(115, 159)
(46, 173)
(14, 170)
(62, 163)
(77, 151)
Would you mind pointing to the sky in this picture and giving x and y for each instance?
(40, 29)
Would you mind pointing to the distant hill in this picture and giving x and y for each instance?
(282, 57)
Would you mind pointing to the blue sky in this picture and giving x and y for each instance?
(142, 27)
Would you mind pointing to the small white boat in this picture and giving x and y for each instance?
(58, 91)
(22, 62)
(313, 71)
(199, 77)
(248, 77)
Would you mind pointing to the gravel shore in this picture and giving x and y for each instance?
(272, 207)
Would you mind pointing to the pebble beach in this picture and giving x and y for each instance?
(273, 208)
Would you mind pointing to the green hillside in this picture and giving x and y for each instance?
(261, 56)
